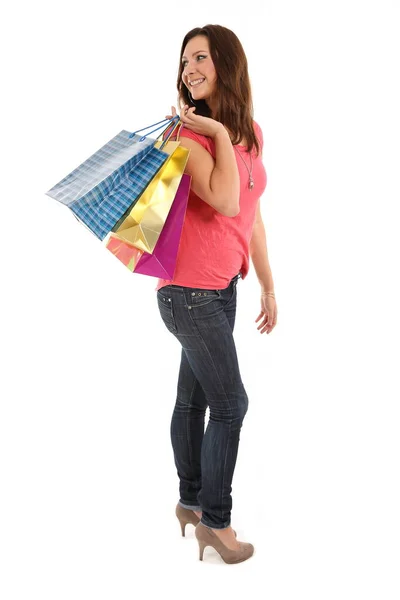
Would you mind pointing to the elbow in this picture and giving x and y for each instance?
(231, 211)
(224, 206)
(232, 214)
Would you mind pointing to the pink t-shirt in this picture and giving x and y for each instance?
(215, 248)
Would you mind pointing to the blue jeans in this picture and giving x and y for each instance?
(203, 321)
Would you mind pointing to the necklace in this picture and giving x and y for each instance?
(250, 171)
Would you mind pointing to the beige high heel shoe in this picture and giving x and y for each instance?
(206, 537)
(186, 516)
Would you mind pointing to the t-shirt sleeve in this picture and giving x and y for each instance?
(200, 139)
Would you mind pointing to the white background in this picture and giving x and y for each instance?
(89, 371)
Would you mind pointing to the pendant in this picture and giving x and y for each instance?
(251, 183)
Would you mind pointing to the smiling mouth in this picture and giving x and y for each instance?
(197, 82)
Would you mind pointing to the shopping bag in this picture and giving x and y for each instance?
(104, 186)
(162, 262)
(144, 222)
(128, 192)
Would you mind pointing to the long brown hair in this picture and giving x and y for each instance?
(234, 104)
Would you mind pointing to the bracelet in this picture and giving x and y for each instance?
(268, 294)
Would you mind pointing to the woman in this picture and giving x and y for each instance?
(222, 227)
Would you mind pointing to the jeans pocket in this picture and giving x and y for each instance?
(200, 298)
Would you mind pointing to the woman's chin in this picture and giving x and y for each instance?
(199, 97)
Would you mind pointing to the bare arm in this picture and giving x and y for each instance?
(225, 181)
(259, 254)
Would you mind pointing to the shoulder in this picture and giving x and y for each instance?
(203, 140)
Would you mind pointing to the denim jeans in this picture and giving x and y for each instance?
(203, 321)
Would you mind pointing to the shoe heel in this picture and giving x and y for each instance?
(185, 516)
(202, 545)
(183, 525)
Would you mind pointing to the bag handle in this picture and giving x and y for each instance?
(176, 118)
(177, 127)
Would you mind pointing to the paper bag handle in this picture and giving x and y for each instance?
(177, 127)
(169, 121)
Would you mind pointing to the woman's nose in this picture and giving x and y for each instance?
(189, 69)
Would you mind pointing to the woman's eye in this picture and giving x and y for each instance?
(184, 62)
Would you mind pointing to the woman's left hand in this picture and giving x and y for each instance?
(269, 313)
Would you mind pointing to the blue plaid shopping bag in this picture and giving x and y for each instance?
(103, 187)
